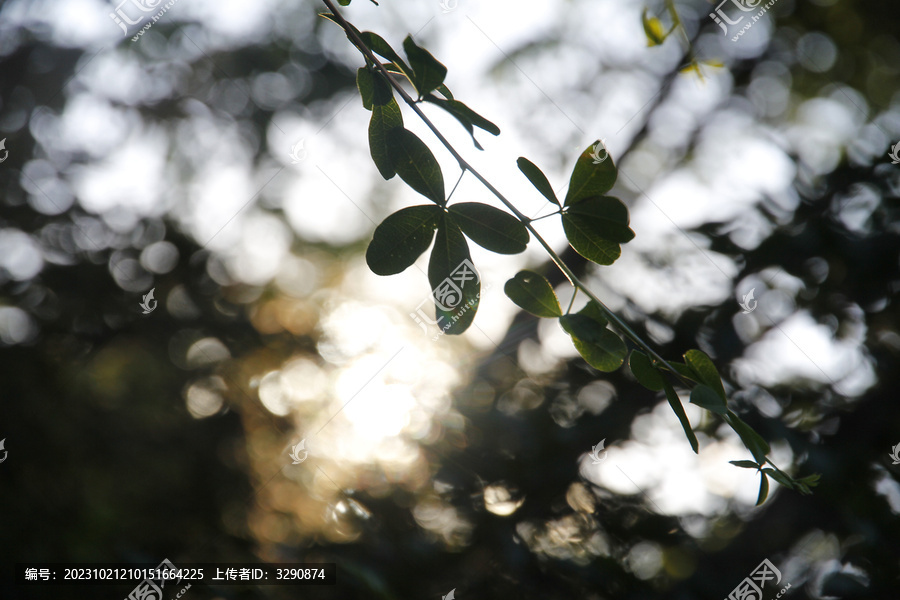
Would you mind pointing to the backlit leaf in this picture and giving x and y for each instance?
(537, 179)
(600, 347)
(416, 165)
(704, 397)
(401, 238)
(455, 285)
(466, 116)
(653, 28)
(675, 403)
(704, 367)
(377, 45)
(589, 179)
(763, 489)
(754, 442)
(490, 227)
(428, 73)
(644, 372)
(384, 120)
(596, 226)
(372, 88)
(533, 292)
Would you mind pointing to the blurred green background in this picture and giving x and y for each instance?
(221, 160)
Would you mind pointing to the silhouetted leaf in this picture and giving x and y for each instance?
(401, 238)
(455, 285)
(705, 397)
(466, 116)
(416, 165)
(385, 119)
(778, 476)
(444, 91)
(644, 372)
(745, 464)
(490, 227)
(758, 446)
(600, 347)
(763, 489)
(596, 226)
(588, 179)
(537, 179)
(704, 367)
(373, 89)
(428, 73)
(675, 403)
(377, 45)
(685, 371)
(533, 292)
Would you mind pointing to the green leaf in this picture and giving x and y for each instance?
(455, 285)
(755, 443)
(588, 179)
(384, 120)
(466, 116)
(596, 226)
(644, 372)
(685, 371)
(444, 91)
(416, 165)
(807, 482)
(780, 477)
(675, 403)
(401, 238)
(372, 88)
(763, 489)
(705, 397)
(704, 367)
(537, 179)
(490, 227)
(593, 311)
(344, 2)
(533, 292)
(600, 347)
(653, 28)
(428, 73)
(607, 216)
(380, 47)
(745, 464)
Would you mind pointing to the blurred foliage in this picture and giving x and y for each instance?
(106, 463)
